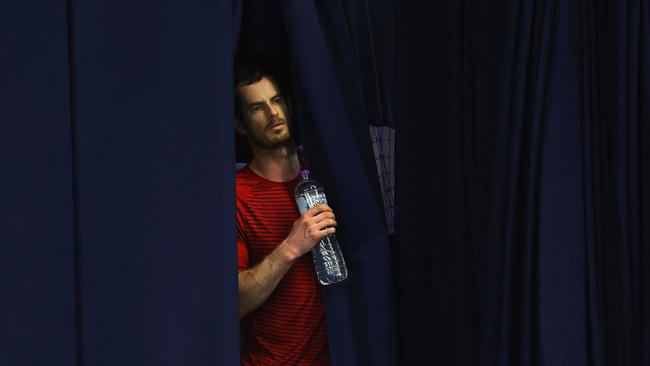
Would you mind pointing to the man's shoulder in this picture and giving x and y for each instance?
(244, 181)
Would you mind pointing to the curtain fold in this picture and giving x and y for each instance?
(616, 38)
(334, 132)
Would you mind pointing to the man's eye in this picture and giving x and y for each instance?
(255, 108)
(277, 99)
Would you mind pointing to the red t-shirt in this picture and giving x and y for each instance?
(289, 327)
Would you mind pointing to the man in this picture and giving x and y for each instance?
(280, 300)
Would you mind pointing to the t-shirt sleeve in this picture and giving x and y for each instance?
(242, 248)
(242, 256)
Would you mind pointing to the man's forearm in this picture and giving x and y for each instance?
(257, 284)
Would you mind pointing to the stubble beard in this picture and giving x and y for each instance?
(274, 143)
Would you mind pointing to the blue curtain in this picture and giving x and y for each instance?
(522, 177)
(37, 264)
(522, 184)
(331, 106)
(118, 185)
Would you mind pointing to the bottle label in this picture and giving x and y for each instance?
(310, 199)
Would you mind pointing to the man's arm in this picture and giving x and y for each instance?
(257, 284)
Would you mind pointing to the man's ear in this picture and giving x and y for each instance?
(239, 127)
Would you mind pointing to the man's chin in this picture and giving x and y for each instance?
(275, 143)
(279, 139)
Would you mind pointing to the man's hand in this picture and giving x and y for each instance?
(257, 283)
(309, 229)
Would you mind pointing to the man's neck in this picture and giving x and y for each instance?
(278, 165)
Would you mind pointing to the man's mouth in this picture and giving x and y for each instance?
(277, 125)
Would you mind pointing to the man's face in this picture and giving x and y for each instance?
(264, 114)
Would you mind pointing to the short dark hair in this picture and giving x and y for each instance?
(247, 75)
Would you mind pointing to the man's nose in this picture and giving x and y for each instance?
(274, 110)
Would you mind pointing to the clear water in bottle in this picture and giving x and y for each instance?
(328, 258)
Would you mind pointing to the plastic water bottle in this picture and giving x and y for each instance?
(328, 258)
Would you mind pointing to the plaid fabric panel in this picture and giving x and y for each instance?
(383, 144)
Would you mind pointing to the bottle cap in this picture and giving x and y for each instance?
(304, 174)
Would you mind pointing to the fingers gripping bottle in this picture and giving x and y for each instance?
(328, 258)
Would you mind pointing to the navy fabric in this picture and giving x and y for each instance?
(521, 184)
(382, 43)
(37, 271)
(117, 156)
(527, 122)
(152, 118)
(337, 145)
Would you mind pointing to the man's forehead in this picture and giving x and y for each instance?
(264, 88)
